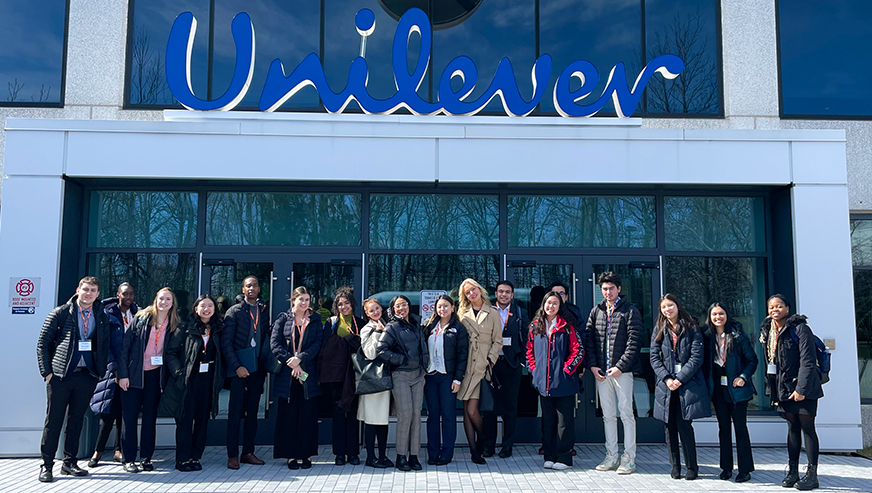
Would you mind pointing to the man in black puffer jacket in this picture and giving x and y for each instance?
(72, 352)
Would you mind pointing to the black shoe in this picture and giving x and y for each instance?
(95, 461)
(340, 460)
(45, 475)
(117, 458)
(305, 464)
(413, 462)
(130, 467)
(293, 464)
(676, 472)
(183, 466)
(810, 480)
(443, 462)
(505, 452)
(431, 461)
(354, 460)
(195, 465)
(743, 476)
(384, 463)
(147, 465)
(725, 475)
(691, 474)
(488, 452)
(403, 464)
(371, 462)
(73, 469)
(792, 475)
(477, 458)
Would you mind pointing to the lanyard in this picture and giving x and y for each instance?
(437, 331)
(206, 338)
(85, 319)
(157, 331)
(356, 331)
(125, 319)
(674, 348)
(301, 328)
(722, 341)
(254, 319)
(505, 321)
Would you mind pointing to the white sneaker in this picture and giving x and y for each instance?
(610, 463)
(628, 465)
(549, 464)
(559, 466)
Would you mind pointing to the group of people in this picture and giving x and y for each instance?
(128, 363)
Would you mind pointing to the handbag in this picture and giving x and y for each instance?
(370, 376)
(487, 390)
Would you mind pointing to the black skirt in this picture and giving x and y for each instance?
(807, 407)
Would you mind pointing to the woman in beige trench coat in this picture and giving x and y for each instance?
(483, 325)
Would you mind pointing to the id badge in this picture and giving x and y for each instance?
(253, 344)
(507, 341)
(204, 367)
(157, 360)
(676, 369)
(771, 369)
(724, 380)
(84, 346)
(304, 376)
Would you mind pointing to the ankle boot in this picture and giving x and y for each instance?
(810, 480)
(792, 475)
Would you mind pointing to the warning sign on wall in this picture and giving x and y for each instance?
(23, 295)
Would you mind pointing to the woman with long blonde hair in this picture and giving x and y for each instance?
(484, 328)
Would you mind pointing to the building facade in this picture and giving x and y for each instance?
(729, 183)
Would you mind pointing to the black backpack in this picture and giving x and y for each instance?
(824, 357)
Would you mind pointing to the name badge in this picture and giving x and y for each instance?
(507, 341)
(204, 367)
(771, 369)
(157, 360)
(253, 344)
(84, 346)
(724, 380)
(676, 369)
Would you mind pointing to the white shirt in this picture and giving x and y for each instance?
(436, 344)
(551, 326)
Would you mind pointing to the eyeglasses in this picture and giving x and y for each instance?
(401, 304)
(560, 293)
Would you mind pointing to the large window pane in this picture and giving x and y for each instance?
(573, 221)
(147, 272)
(863, 307)
(284, 29)
(32, 60)
(689, 29)
(152, 20)
(390, 275)
(861, 241)
(603, 33)
(833, 38)
(724, 224)
(740, 283)
(132, 219)
(236, 218)
(415, 222)
(497, 29)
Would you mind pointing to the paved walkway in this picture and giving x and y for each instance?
(521, 473)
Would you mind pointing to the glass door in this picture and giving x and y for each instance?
(640, 283)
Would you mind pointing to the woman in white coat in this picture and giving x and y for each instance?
(374, 409)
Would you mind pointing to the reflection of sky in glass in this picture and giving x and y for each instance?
(31, 63)
(694, 24)
(824, 57)
(152, 21)
(499, 28)
(342, 45)
(603, 33)
(283, 29)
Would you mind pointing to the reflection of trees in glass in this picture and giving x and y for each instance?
(282, 219)
(434, 221)
(863, 310)
(696, 89)
(148, 272)
(622, 222)
(322, 281)
(714, 224)
(861, 241)
(144, 219)
(147, 80)
(15, 88)
(225, 282)
(413, 273)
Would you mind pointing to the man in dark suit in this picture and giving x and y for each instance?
(507, 370)
(72, 352)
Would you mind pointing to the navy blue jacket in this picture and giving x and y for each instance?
(741, 361)
(693, 392)
(237, 328)
(101, 401)
(280, 344)
(553, 360)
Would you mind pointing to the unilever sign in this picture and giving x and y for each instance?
(280, 87)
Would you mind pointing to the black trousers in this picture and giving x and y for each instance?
(558, 428)
(146, 400)
(727, 411)
(107, 421)
(346, 428)
(679, 427)
(296, 433)
(65, 397)
(505, 405)
(191, 428)
(244, 402)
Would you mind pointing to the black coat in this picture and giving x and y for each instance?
(391, 349)
(741, 361)
(693, 392)
(237, 328)
(518, 328)
(455, 341)
(625, 338)
(59, 338)
(335, 362)
(133, 353)
(796, 361)
(181, 361)
(101, 401)
(280, 342)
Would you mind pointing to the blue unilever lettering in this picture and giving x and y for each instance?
(280, 87)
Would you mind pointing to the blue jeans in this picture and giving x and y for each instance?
(441, 409)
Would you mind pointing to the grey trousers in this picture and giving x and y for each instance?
(408, 395)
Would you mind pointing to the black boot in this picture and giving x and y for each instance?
(810, 480)
(792, 475)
